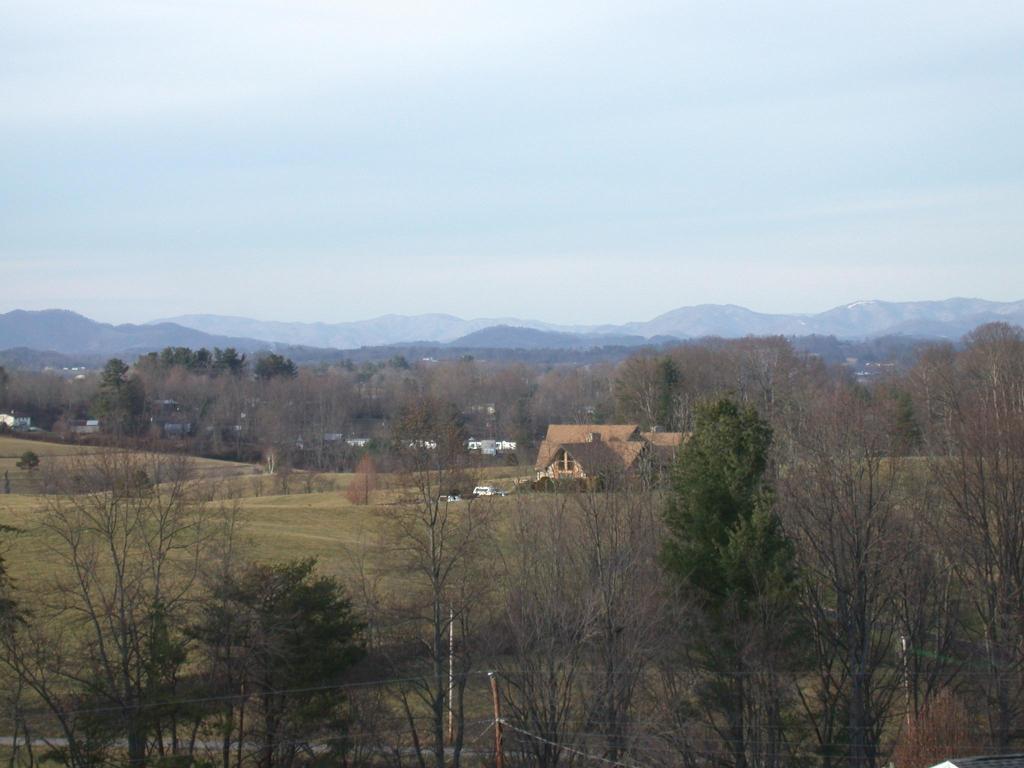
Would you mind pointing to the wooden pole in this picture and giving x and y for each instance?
(906, 680)
(451, 675)
(241, 724)
(499, 754)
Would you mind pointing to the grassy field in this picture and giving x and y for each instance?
(276, 526)
(326, 526)
(13, 447)
(23, 482)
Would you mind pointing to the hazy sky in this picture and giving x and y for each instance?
(570, 161)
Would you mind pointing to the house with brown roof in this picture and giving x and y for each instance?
(582, 452)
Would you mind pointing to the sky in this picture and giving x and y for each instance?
(574, 162)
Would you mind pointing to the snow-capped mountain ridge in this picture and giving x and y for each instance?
(865, 318)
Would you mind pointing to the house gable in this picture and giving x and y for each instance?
(581, 451)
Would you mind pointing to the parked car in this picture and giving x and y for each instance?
(452, 497)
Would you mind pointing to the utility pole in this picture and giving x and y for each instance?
(451, 674)
(499, 753)
(241, 724)
(906, 679)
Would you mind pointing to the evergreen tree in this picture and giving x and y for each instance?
(272, 365)
(728, 554)
(906, 430)
(669, 380)
(121, 400)
(228, 361)
(293, 635)
(28, 461)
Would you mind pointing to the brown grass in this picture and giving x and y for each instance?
(275, 526)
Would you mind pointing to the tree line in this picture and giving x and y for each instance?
(832, 576)
(224, 405)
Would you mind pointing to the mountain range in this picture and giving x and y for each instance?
(67, 332)
(948, 319)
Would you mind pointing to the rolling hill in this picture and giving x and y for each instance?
(68, 333)
(858, 320)
(59, 330)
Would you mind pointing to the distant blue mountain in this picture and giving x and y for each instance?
(858, 320)
(512, 337)
(59, 330)
(66, 332)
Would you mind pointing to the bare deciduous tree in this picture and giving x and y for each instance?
(105, 648)
(942, 729)
(976, 442)
(839, 504)
(547, 625)
(364, 481)
(620, 532)
(435, 547)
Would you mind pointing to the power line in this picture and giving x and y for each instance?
(245, 697)
(565, 748)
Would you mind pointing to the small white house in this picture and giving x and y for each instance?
(15, 421)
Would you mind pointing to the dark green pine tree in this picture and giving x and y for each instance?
(287, 636)
(228, 361)
(273, 365)
(728, 554)
(906, 430)
(669, 380)
(121, 400)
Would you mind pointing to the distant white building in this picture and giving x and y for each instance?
(490, 447)
(430, 445)
(15, 421)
